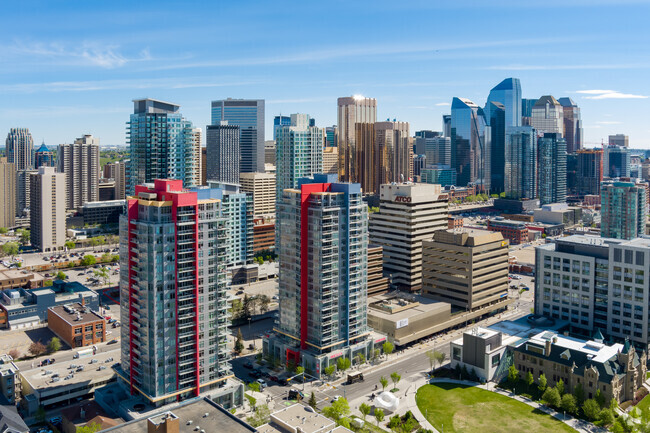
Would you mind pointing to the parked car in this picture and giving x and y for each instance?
(295, 394)
(262, 383)
(113, 341)
(249, 364)
(256, 374)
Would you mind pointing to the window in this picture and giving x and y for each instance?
(456, 353)
(77, 331)
(495, 359)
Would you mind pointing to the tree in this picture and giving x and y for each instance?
(552, 397)
(579, 394)
(395, 377)
(264, 303)
(529, 379)
(343, 363)
(14, 354)
(568, 403)
(431, 357)
(329, 370)
(513, 375)
(88, 260)
(542, 382)
(339, 409)
(239, 342)
(384, 382)
(69, 245)
(54, 345)
(11, 249)
(560, 387)
(362, 358)
(300, 370)
(102, 274)
(600, 398)
(591, 409)
(60, 275)
(261, 416)
(47, 283)
(379, 416)
(365, 410)
(37, 348)
(90, 428)
(312, 400)
(25, 237)
(246, 307)
(106, 258)
(606, 417)
(254, 386)
(3, 230)
(388, 347)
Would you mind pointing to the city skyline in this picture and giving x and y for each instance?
(58, 80)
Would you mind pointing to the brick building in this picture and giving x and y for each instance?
(515, 231)
(77, 325)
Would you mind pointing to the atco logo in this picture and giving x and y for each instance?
(403, 199)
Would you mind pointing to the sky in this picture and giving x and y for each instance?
(69, 68)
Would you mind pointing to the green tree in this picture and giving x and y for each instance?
(591, 409)
(552, 397)
(3, 230)
(261, 416)
(239, 342)
(11, 249)
(54, 345)
(88, 260)
(90, 428)
(25, 237)
(579, 394)
(388, 347)
(47, 283)
(329, 370)
(542, 383)
(440, 357)
(513, 375)
(312, 400)
(529, 379)
(106, 258)
(254, 386)
(362, 358)
(300, 370)
(431, 357)
(247, 307)
(365, 410)
(379, 416)
(60, 275)
(69, 245)
(568, 403)
(102, 274)
(339, 408)
(600, 398)
(395, 377)
(383, 382)
(343, 363)
(605, 417)
(560, 387)
(264, 303)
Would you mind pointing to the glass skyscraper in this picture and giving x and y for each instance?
(617, 162)
(552, 168)
(498, 126)
(508, 93)
(623, 210)
(470, 143)
(20, 148)
(248, 114)
(572, 124)
(520, 166)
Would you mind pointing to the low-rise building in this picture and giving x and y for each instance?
(9, 379)
(15, 279)
(263, 234)
(77, 325)
(455, 222)
(299, 418)
(515, 231)
(86, 413)
(103, 212)
(558, 213)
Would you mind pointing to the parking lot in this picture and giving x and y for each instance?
(21, 340)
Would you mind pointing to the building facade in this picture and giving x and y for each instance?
(623, 210)
(621, 140)
(77, 325)
(22, 192)
(223, 153)
(161, 144)
(263, 189)
(590, 171)
(80, 163)
(442, 175)
(515, 231)
(408, 215)
(7, 193)
(548, 116)
(520, 166)
(330, 160)
(573, 133)
(47, 209)
(43, 157)
(173, 294)
(617, 162)
(356, 118)
(470, 144)
(19, 147)
(377, 282)
(248, 114)
(552, 168)
(393, 155)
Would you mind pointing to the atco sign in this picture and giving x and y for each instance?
(403, 199)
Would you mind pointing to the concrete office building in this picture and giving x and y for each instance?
(263, 189)
(223, 152)
(548, 116)
(621, 140)
(467, 268)
(438, 150)
(392, 155)
(356, 118)
(590, 171)
(80, 163)
(617, 162)
(377, 282)
(173, 242)
(408, 214)
(520, 166)
(204, 166)
(596, 283)
(117, 171)
(7, 193)
(22, 191)
(43, 157)
(47, 209)
(552, 168)
(573, 133)
(323, 254)
(19, 148)
(103, 212)
(248, 114)
(623, 210)
(193, 162)
(299, 152)
(161, 144)
(330, 160)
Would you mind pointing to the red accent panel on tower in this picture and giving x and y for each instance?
(132, 212)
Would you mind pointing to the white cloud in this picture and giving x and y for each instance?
(616, 95)
(443, 104)
(594, 66)
(594, 91)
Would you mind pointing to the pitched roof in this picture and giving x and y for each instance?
(10, 421)
(43, 148)
(546, 99)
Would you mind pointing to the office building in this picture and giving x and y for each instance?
(80, 164)
(76, 325)
(106, 189)
(527, 108)
(22, 191)
(248, 114)
(552, 168)
(621, 140)
(421, 137)
(596, 283)
(515, 231)
(446, 125)
(573, 133)
(204, 166)
(47, 209)
(392, 155)
(263, 234)
(408, 214)
(173, 242)
(7, 193)
(466, 268)
(547, 116)
(331, 134)
(419, 164)
(616, 162)
(279, 122)
(590, 171)
(356, 118)
(437, 150)
(43, 157)
(497, 116)
(442, 175)
(117, 171)
(269, 153)
(193, 158)
(299, 152)
(571, 173)
(508, 94)
(520, 167)
(262, 188)
(102, 212)
(470, 144)
(330, 160)
(223, 153)
(19, 148)
(623, 210)
(162, 144)
(377, 282)
(323, 254)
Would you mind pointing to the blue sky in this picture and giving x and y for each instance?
(70, 67)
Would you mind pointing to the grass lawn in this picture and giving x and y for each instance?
(644, 403)
(472, 410)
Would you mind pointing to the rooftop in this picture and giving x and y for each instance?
(297, 416)
(12, 274)
(76, 314)
(403, 306)
(600, 352)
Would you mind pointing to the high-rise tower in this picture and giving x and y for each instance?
(572, 124)
(356, 119)
(470, 143)
(43, 157)
(222, 163)
(552, 168)
(520, 166)
(508, 94)
(80, 163)
(548, 116)
(20, 148)
(47, 209)
(7, 193)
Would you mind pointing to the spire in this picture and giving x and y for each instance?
(626, 347)
(598, 336)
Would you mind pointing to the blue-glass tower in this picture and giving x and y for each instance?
(470, 143)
